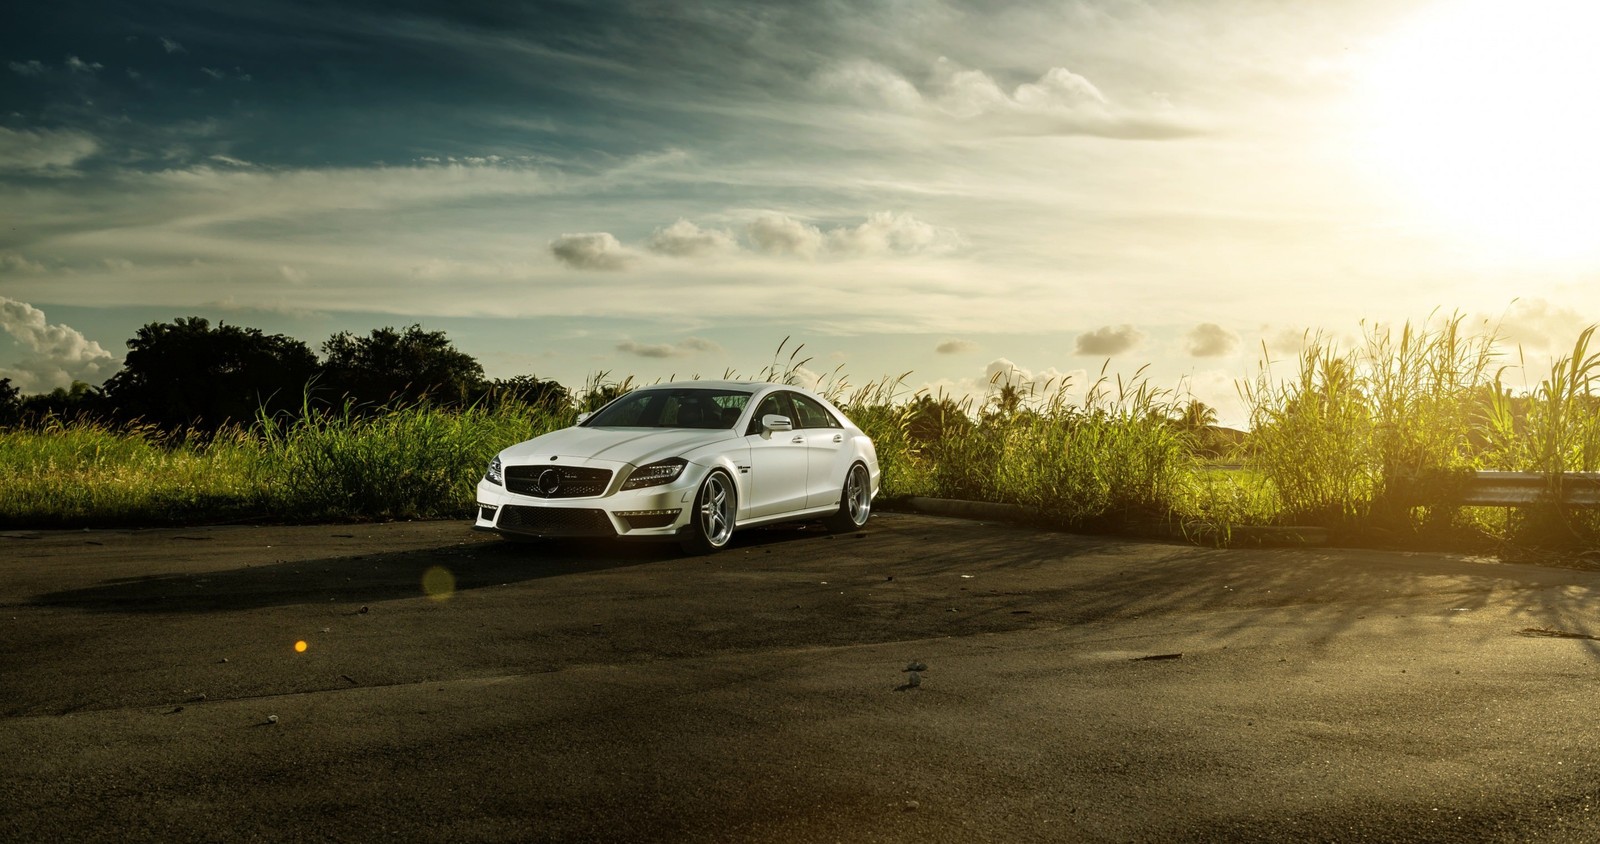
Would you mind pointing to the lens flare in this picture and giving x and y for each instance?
(300, 646)
(438, 583)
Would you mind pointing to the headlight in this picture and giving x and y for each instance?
(495, 475)
(655, 474)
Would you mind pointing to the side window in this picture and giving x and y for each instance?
(812, 414)
(776, 403)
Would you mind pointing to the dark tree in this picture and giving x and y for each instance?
(526, 389)
(10, 403)
(393, 368)
(76, 402)
(186, 373)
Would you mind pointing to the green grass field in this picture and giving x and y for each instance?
(1350, 439)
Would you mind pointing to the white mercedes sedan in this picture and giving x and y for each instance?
(690, 461)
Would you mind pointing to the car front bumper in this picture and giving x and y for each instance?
(659, 512)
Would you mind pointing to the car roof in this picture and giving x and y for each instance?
(741, 386)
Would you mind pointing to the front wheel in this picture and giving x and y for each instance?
(855, 502)
(711, 525)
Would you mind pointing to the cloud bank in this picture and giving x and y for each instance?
(1209, 340)
(1108, 340)
(57, 354)
(1059, 102)
(591, 251)
(684, 239)
(683, 348)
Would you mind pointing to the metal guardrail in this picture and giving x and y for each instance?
(1518, 489)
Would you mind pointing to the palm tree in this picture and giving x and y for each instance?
(1197, 415)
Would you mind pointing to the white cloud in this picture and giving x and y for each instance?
(57, 354)
(1059, 102)
(684, 239)
(171, 46)
(955, 347)
(1058, 89)
(780, 234)
(969, 93)
(1209, 340)
(885, 233)
(32, 67)
(214, 74)
(591, 251)
(293, 275)
(1537, 325)
(43, 150)
(77, 65)
(1043, 384)
(117, 265)
(873, 84)
(683, 348)
(1108, 340)
(1289, 342)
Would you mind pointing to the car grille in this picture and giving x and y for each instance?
(555, 521)
(568, 481)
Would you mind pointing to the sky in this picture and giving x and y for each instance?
(1034, 191)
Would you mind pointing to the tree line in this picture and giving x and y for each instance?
(190, 375)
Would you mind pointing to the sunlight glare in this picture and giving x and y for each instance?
(1486, 113)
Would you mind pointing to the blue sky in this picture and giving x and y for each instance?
(950, 189)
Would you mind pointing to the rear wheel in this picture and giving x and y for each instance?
(711, 525)
(855, 502)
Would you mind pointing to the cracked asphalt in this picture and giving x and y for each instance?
(453, 686)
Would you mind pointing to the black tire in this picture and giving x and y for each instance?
(855, 501)
(715, 507)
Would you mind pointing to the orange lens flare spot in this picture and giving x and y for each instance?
(300, 646)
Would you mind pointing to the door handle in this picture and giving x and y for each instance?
(798, 440)
(838, 438)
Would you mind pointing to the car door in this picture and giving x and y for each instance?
(776, 483)
(825, 451)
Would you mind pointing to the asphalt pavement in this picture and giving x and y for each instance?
(416, 681)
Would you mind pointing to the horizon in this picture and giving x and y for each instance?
(942, 188)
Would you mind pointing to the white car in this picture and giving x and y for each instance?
(689, 461)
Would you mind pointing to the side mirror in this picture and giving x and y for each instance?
(584, 415)
(773, 422)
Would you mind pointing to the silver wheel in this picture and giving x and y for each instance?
(858, 495)
(855, 500)
(714, 510)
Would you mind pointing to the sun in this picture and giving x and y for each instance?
(1488, 113)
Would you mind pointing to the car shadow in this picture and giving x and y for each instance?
(355, 579)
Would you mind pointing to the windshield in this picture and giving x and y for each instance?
(676, 408)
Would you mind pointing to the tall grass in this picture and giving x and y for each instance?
(1369, 440)
(1112, 457)
(1381, 437)
(70, 473)
(416, 462)
(407, 463)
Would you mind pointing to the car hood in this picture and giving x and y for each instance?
(637, 446)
